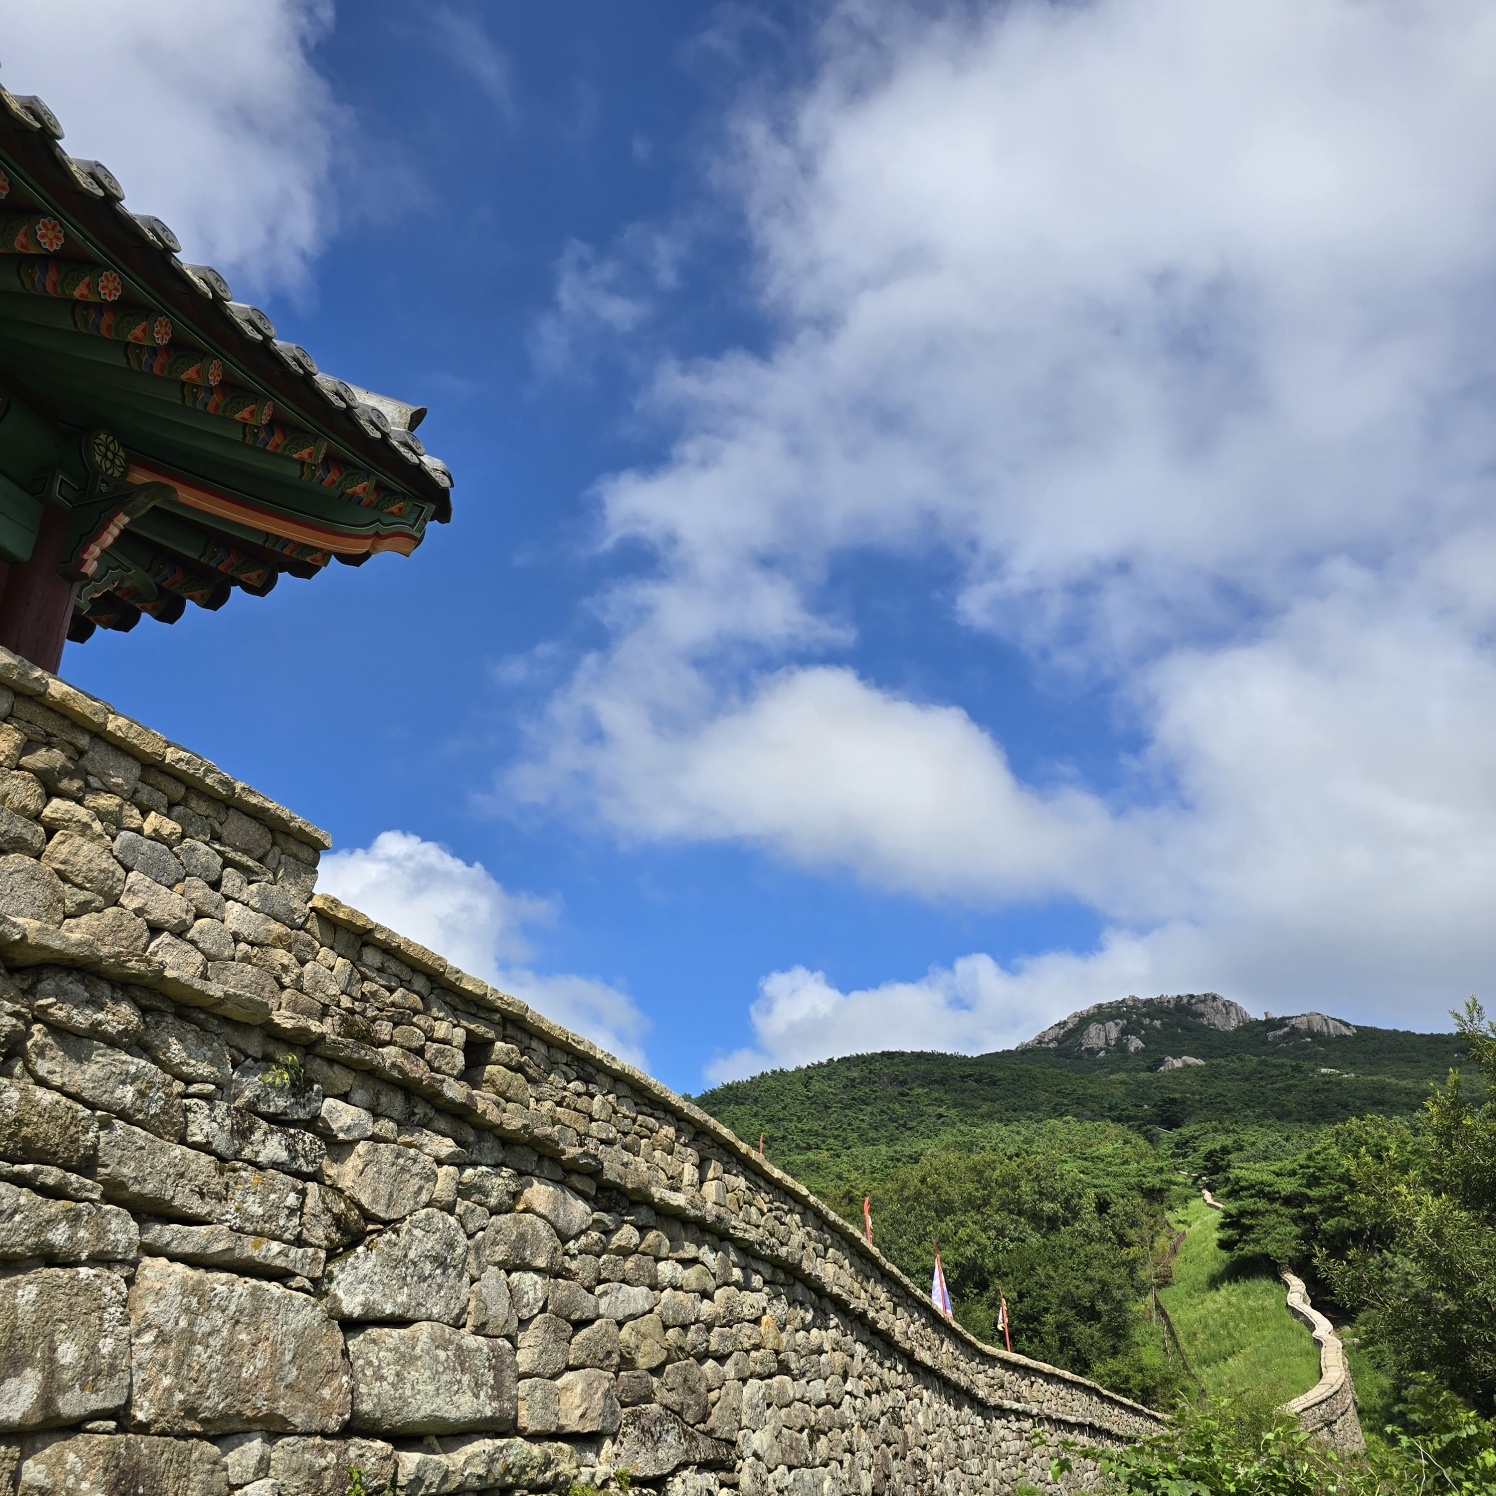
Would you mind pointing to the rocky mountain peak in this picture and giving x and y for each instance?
(1108, 1031)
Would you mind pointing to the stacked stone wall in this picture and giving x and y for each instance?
(1329, 1408)
(285, 1196)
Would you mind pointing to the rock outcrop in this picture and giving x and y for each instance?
(1311, 1026)
(1209, 1008)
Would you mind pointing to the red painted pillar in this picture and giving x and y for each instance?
(37, 604)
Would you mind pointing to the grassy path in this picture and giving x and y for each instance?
(1241, 1340)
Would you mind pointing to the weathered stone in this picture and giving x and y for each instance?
(539, 1409)
(490, 1309)
(63, 1230)
(40, 1127)
(568, 1213)
(17, 834)
(246, 1456)
(329, 1218)
(245, 835)
(106, 1078)
(589, 1404)
(727, 1415)
(139, 1170)
(431, 1379)
(528, 1291)
(290, 1148)
(349, 1124)
(239, 976)
(416, 1270)
(642, 1343)
(490, 1188)
(86, 1005)
(571, 1301)
(652, 1442)
(159, 907)
(184, 1050)
(124, 1465)
(217, 1246)
(210, 1125)
(30, 890)
(277, 903)
(597, 1345)
(149, 858)
(54, 1182)
(321, 1467)
(53, 768)
(64, 1347)
(621, 1302)
(277, 1089)
(244, 923)
(506, 1083)
(115, 769)
(542, 1346)
(83, 862)
(524, 1241)
(200, 861)
(22, 793)
(387, 1181)
(214, 1353)
(686, 1391)
(68, 815)
(210, 937)
(112, 930)
(678, 1309)
(479, 1464)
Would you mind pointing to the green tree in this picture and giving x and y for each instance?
(1427, 1292)
(1071, 1258)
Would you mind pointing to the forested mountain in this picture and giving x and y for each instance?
(841, 1118)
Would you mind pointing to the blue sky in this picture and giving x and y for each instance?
(962, 512)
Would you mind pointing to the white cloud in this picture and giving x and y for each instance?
(602, 297)
(1173, 328)
(213, 119)
(971, 1007)
(470, 49)
(459, 910)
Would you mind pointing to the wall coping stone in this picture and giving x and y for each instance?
(99, 717)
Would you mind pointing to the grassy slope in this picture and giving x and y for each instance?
(1236, 1331)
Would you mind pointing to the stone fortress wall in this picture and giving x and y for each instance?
(1328, 1408)
(284, 1195)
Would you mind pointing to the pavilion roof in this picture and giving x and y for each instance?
(232, 456)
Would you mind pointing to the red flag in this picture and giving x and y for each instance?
(760, 1145)
(1002, 1319)
(867, 1219)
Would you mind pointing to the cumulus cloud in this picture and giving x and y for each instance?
(459, 909)
(219, 124)
(1172, 328)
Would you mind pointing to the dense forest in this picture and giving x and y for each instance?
(1060, 1179)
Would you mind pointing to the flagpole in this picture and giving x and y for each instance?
(867, 1219)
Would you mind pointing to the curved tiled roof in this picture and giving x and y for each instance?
(249, 458)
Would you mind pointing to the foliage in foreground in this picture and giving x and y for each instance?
(1212, 1452)
(1396, 1222)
